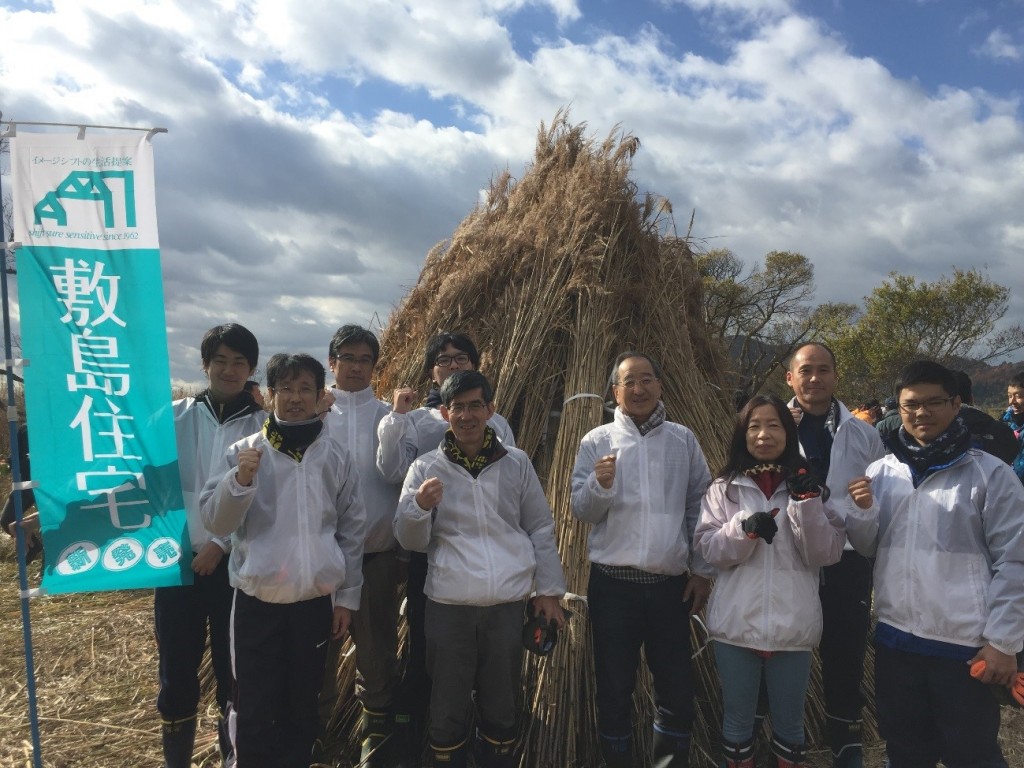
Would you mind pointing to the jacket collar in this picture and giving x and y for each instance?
(343, 399)
(627, 421)
(844, 413)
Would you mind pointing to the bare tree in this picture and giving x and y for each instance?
(762, 316)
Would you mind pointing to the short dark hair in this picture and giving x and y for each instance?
(436, 345)
(233, 336)
(740, 458)
(826, 347)
(353, 334)
(926, 372)
(250, 385)
(1017, 380)
(284, 366)
(630, 354)
(964, 386)
(465, 381)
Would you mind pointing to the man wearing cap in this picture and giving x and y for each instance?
(639, 482)
(838, 447)
(477, 509)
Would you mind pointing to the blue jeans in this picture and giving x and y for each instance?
(786, 674)
(626, 616)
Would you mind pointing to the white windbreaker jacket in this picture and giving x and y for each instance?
(202, 441)
(766, 595)
(403, 437)
(949, 555)
(647, 518)
(297, 532)
(491, 540)
(855, 445)
(352, 421)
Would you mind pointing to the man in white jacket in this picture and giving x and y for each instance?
(943, 521)
(838, 447)
(639, 482)
(352, 421)
(477, 509)
(405, 434)
(204, 425)
(289, 498)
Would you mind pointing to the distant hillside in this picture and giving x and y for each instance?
(990, 384)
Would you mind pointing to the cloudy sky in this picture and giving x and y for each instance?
(318, 149)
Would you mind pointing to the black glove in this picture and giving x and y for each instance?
(761, 525)
(804, 485)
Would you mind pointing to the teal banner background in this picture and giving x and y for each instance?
(102, 444)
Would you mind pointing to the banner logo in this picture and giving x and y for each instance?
(90, 186)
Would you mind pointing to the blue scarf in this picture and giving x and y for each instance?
(942, 452)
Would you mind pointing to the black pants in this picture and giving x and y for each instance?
(930, 708)
(625, 617)
(182, 615)
(846, 619)
(279, 651)
(413, 694)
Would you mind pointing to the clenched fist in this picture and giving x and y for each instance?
(604, 470)
(248, 464)
(429, 494)
(860, 490)
(403, 400)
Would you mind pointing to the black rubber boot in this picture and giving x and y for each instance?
(788, 755)
(179, 739)
(738, 755)
(406, 743)
(617, 751)
(497, 751)
(453, 756)
(670, 749)
(845, 737)
(375, 731)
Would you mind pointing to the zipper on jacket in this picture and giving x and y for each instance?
(769, 564)
(645, 506)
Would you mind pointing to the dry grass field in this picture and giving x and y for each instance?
(96, 682)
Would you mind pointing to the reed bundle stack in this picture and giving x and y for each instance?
(553, 276)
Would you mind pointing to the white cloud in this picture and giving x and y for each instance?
(290, 205)
(749, 8)
(999, 45)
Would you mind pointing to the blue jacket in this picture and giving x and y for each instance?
(1018, 463)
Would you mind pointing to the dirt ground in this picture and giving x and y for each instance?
(96, 683)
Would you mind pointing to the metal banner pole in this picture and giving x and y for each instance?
(16, 487)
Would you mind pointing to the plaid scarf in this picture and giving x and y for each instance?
(767, 476)
(656, 419)
(291, 438)
(489, 453)
(943, 451)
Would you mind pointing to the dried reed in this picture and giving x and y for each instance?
(553, 277)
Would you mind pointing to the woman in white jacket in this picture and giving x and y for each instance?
(765, 528)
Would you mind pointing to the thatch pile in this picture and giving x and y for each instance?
(556, 275)
(553, 277)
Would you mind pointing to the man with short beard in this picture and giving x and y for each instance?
(838, 447)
